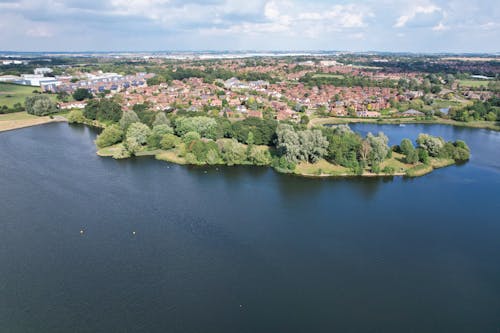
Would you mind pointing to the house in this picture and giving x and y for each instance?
(412, 113)
(255, 114)
(72, 105)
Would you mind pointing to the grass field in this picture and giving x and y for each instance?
(336, 76)
(11, 94)
(320, 168)
(474, 83)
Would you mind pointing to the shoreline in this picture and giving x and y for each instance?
(398, 121)
(18, 120)
(411, 171)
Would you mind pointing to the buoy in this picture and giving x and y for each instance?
(133, 232)
(81, 232)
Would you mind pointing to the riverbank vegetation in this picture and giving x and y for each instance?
(288, 147)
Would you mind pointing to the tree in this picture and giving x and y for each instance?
(157, 135)
(161, 119)
(91, 109)
(313, 145)
(109, 136)
(137, 136)
(430, 143)
(63, 96)
(379, 147)
(406, 146)
(232, 151)
(190, 137)
(80, 94)
(39, 105)
(288, 143)
(109, 111)
(169, 141)
(412, 156)
(259, 156)
(128, 118)
(365, 150)
(76, 116)
(205, 126)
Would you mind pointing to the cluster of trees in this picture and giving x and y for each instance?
(488, 110)
(431, 146)
(209, 75)
(319, 80)
(80, 94)
(206, 140)
(338, 145)
(106, 110)
(39, 105)
(300, 145)
(17, 107)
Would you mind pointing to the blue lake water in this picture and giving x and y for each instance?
(243, 249)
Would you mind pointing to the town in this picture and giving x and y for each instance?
(287, 88)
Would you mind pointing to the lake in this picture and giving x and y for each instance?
(169, 248)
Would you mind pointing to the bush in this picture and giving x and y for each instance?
(39, 105)
(76, 116)
(388, 170)
(157, 135)
(190, 136)
(136, 137)
(259, 156)
(80, 94)
(169, 141)
(109, 136)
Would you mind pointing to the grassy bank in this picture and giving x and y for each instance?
(396, 121)
(12, 121)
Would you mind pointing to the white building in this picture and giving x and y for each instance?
(42, 70)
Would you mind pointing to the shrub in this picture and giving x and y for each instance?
(76, 116)
(109, 136)
(169, 141)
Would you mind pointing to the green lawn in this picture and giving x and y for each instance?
(336, 76)
(11, 94)
(474, 83)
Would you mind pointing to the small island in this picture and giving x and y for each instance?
(288, 147)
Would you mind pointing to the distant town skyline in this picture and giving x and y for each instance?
(453, 26)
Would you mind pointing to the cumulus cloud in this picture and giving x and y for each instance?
(255, 24)
(414, 11)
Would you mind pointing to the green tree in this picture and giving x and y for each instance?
(39, 105)
(91, 109)
(161, 119)
(109, 136)
(431, 144)
(76, 116)
(379, 147)
(80, 94)
(169, 141)
(128, 118)
(406, 146)
(136, 137)
(157, 135)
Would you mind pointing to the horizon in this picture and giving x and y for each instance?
(422, 27)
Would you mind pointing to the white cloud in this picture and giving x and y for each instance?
(414, 11)
(440, 27)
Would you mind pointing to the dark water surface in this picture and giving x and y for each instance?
(243, 249)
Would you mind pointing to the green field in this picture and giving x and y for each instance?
(11, 94)
(336, 76)
(473, 83)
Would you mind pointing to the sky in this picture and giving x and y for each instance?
(288, 25)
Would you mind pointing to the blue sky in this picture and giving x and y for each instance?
(360, 25)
